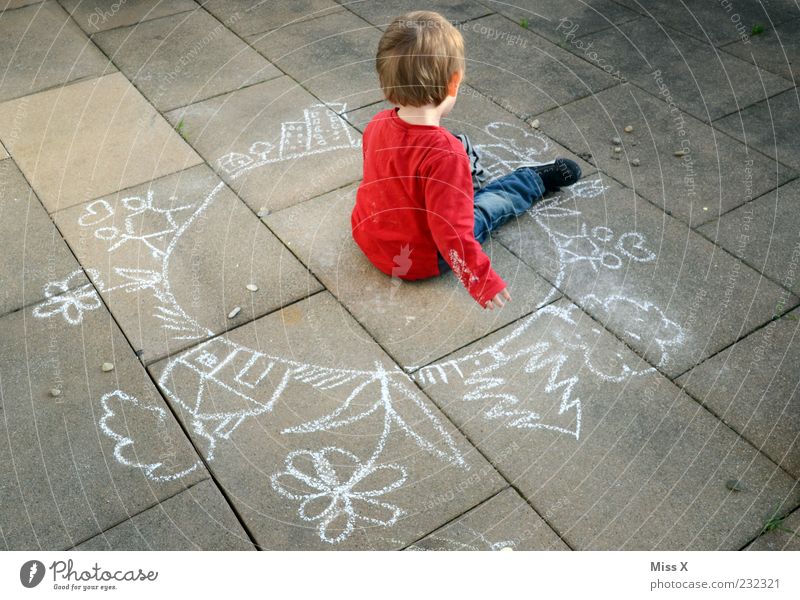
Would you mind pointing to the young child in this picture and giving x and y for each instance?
(417, 213)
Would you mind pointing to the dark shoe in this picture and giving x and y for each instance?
(559, 173)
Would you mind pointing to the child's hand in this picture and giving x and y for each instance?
(498, 299)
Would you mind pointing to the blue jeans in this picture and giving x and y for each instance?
(509, 196)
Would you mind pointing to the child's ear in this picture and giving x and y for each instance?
(455, 81)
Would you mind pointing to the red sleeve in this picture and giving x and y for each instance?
(451, 218)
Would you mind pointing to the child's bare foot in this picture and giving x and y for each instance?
(559, 173)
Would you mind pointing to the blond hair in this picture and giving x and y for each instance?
(417, 55)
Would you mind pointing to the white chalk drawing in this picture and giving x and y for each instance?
(62, 299)
(319, 131)
(124, 446)
(333, 489)
(219, 386)
(477, 542)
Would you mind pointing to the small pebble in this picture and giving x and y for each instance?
(635, 162)
(616, 141)
(234, 312)
(705, 208)
(264, 212)
(735, 485)
(55, 392)
(680, 152)
(252, 287)
(628, 128)
(506, 549)
(617, 149)
(107, 367)
(535, 123)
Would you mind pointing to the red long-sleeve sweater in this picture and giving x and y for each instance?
(416, 198)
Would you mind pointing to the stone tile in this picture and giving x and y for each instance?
(380, 13)
(107, 447)
(679, 69)
(90, 139)
(321, 54)
(504, 521)
(763, 233)
(161, 58)
(666, 291)
(522, 72)
(196, 519)
(172, 259)
(10, 4)
(29, 64)
(770, 126)
(33, 252)
(613, 454)
(716, 175)
(414, 321)
(754, 387)
(785, 537)
(715, 22)
(776, 50)
(97, 15)
(504, 141)
(3, 153)
(319, 440)
(561, 21)
(247, 17)
(273, 143)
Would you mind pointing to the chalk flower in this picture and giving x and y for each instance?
(337, 490)
(70, 303)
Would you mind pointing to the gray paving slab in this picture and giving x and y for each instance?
(11, 4)
(523, 72)
(716, 174)
(754, 386)
(418, 321)
(40, 47)
(100, 16)
(777, 49)
(33, 252)
(504, 521)
(681, 70)
(615, 455)
(771, 126)
(246, 17)
(786, 536)
(184, 58)
(89, 139)
(715, 22)
(198, 518)
(380, 13)
(319, 440)
(562, 22)
(106, 447)
(665, 290)
(172, 259)
(322, 54)
(273, 143)
(764, 234)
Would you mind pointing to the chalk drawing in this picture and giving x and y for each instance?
(224, 385)
(132, 410)
(333, 488)
(319, 131)
(479, 542)
(69, 303)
